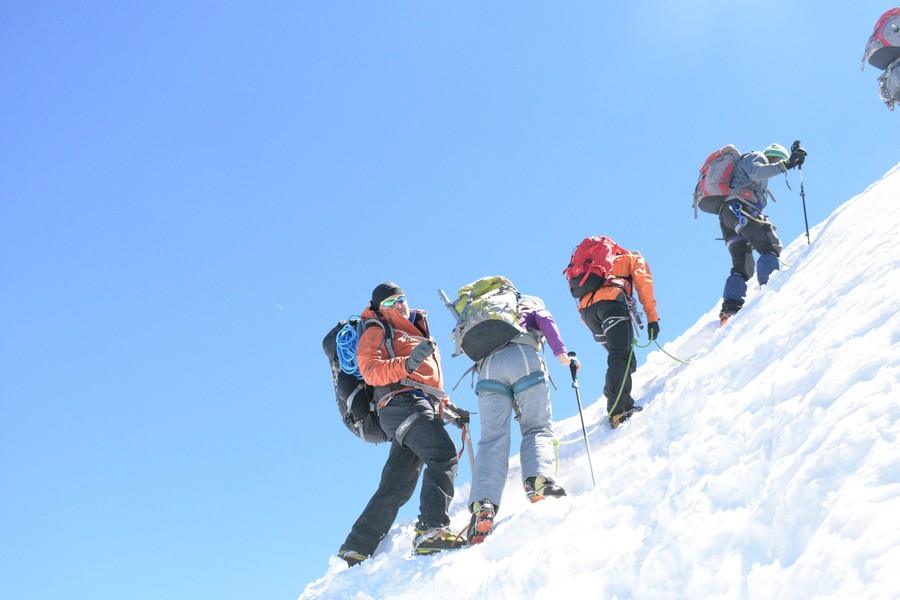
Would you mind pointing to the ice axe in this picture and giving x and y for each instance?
(465, 428)
(446, 301)
(573, 369)
(456, 316)
(454, 416)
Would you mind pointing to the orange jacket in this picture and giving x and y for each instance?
(379, 369)
(632, 272)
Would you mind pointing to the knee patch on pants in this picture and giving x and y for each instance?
(735, 287)
(765, 265)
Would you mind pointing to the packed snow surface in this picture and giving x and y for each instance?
(769, 467)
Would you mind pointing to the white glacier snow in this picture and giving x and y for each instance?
(769, 467)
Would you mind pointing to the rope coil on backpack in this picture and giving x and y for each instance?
(347, 340)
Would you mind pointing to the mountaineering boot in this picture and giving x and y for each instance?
(540, 487)
(730, 307)
(436, 539)
(482, 522)
(724, 315)
(352, 557)
(617, 419)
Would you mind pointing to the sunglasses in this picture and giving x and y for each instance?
(390, 302)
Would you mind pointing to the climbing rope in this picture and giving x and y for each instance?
(675, 358)
(557, 443)
(347, 340)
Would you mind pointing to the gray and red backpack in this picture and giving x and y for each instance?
(714, 184)
(883, 52)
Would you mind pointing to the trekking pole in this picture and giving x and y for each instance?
(573, 368)
(803, 199)
(794, 147)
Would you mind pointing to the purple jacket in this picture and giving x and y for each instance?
(541, 320)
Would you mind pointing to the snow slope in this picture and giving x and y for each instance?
(767, 468)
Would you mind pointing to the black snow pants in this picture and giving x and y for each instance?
(610, 322)
(425, 442)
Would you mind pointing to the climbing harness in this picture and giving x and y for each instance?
(510, 391)
(430, 393)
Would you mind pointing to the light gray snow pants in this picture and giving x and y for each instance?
(508, 366)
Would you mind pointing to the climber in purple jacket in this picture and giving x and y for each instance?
(513, 380)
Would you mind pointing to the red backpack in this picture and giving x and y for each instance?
(591, 264)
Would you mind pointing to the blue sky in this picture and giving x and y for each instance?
(193, 195)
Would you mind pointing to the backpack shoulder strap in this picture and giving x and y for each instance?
(388, 333)
(731, 189)
(420, 322)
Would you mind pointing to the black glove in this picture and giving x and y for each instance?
(574, 364)
(653, 330)
(418, 355)
(462, 416)
(798, 155)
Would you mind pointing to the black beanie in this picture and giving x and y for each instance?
(384, 290)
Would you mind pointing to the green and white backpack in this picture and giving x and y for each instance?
(488, 314)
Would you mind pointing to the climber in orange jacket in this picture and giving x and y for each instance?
(606, 310)
(398, 357)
